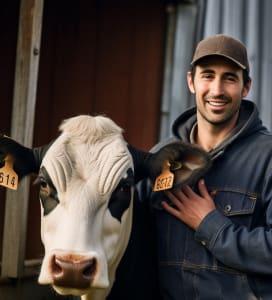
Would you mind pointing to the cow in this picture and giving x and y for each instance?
(87, 177)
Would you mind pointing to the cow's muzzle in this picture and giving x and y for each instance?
(73, 272)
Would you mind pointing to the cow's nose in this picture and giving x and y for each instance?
(76, 274)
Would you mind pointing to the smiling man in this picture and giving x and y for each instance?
(215, 240)
(219, 85)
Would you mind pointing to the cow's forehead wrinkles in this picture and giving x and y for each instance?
(113, 163)
(59, 166)
(111, 176)
(104, 163)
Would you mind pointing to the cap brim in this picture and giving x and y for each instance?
(219, 54)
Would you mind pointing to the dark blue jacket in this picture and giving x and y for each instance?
(230, 255)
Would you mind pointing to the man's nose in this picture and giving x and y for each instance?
(217, 87)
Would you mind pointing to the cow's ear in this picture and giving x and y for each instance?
(40, 152)
(185, 161)
(24, 159)
(140, 162)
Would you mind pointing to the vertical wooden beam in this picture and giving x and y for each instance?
(22, 128)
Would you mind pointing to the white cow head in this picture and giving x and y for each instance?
(86, 179)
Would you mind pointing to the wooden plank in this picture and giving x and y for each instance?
(23, 116)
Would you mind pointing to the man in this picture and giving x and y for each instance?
(216, 242)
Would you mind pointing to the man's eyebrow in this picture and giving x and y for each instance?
(211, 71)
(207, 71)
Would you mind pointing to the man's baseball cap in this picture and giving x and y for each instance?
(222, 45)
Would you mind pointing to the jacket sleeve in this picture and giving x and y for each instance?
(237, 246)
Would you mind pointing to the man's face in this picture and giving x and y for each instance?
(218, 88)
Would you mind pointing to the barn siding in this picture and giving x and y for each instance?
(102, 57)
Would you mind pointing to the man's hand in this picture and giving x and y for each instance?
(189, 207)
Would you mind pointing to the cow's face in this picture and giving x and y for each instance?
(86, 181)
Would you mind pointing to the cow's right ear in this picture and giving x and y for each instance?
(26, 160)
(185, 161)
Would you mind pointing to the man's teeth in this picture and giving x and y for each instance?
(217, 103)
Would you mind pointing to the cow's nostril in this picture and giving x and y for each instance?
(70, 273)
(90, 269)
(56, 267)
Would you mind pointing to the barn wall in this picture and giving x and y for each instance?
(102, 57)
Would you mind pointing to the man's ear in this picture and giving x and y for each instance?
(190, 82)
(246, 88)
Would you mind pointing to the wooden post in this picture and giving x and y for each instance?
(22, 128)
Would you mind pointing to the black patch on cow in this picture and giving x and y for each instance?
(48, 193)
(121, 197)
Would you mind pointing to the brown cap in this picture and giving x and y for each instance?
(222, 45)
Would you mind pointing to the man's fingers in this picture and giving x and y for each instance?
(170, 209)
(203, 189)
(172, 197)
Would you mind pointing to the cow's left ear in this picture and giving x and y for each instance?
(185, 161)
(24, 159)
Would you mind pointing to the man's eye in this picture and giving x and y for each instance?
(231, 78)
(207, 76)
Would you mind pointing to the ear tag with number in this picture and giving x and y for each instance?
(8, 177)
(165, 180)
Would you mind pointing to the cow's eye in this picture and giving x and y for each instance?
(120, 200)
(48, 195)
(44, 186)
(121, 197)
(124, 188)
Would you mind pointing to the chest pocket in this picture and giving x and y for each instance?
(237, 205)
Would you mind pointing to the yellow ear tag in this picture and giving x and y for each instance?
(8, 177)
(165, 180)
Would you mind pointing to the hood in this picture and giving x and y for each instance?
(248, 123)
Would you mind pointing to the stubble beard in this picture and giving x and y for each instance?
(221, 122)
